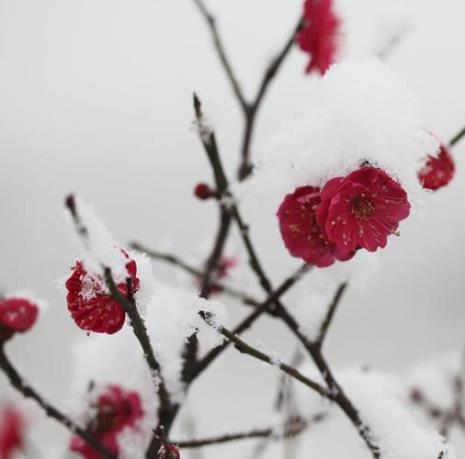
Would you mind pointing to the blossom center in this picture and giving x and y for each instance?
(362, 207)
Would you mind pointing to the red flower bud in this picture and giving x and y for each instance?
(17, 315)
(168, 452)
(204, 192)
(438, 170)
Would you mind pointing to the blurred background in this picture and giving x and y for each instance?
(95, 98)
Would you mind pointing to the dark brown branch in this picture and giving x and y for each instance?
(249, 109)
(291, 429)
(457, 137)
(337, 393)
(330, 313)
(18, 382)
(253, 257)
(166, 408)
(208, 140)
(276, 63)
(220, 50)
(245, 167)
(246, 323)
(168, 258)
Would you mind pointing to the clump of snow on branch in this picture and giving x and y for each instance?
(361, 112)
(394, 428)
(382, 408)
(172, 317)
(101, 249)
(147, 282)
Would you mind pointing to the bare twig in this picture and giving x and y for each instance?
(251, 318)
(220, 50)
(387, 49)
(457, 137)
(197, 273)
(249, 109)
(208, 140)
(330, 313)
(245, 348)
(291, 428)
(168, 258)
(18, 382)
(245, 167)
(283, 392)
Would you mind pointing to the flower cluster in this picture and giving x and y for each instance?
(17, 315)
(349, 213)
(11, 432)
(116, 410)
(89, 302)
(319, 33)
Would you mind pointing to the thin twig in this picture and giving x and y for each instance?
(208, 140)
(338, 394)
(283, 392)
(245, 167)
(388, 48)
(330, 313)
(18, 382)
(249, 109)
(457, 137)
(220, 50)
(168, 258)
(292, 428)
(197, 273)
(246, 323)
(245, 348)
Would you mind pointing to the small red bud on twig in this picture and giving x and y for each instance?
(204, 192)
